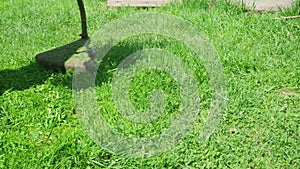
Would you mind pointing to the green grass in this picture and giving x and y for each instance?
(260, 54)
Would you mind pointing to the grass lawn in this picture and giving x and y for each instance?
(260, 127)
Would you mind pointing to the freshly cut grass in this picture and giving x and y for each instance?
(260, 127)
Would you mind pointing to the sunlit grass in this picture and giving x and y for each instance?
(260, 54)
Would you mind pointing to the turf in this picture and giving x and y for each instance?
(260, 127)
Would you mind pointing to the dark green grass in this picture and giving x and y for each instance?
(260, 54)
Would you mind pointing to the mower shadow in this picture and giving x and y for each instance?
(34, 74)
(115, 56)
(53, 60)
(22, 78)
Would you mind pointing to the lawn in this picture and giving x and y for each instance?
(260, 127)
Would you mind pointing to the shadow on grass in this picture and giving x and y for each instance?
(53, 60)
(22, 78)
(33, 74)
(118, 53)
